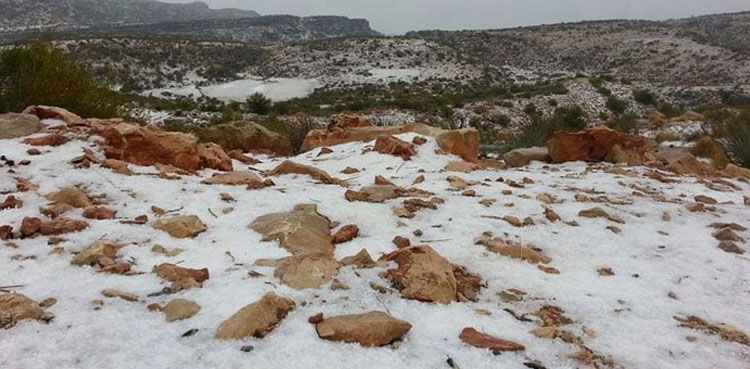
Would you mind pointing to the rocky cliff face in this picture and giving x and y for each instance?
(23, 15)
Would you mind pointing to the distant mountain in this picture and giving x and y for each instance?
(731, 31)
(59, 15)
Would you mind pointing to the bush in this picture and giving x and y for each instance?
(259, 104)
(625, 124)
(535, 132)
(39, 74)
(616, 105)
(501, 120)
(737, 140)
(644, 96)
(571, 118)
(669, 110)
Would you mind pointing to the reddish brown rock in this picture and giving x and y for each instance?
(34, 152)
(55, 139)
(30, 226)
(213, 156)
(72, 196)
(99, 213)
(251, 180)
(346, 234)
(362, 260)
(290, 167)
(15, 307)
(513, 250)
(373, 329)
(306, 271)
(594, 145)
(6, 232)
(174, 273)
(53, 112)
(61, 225)
(401, 242)
(242, 158)
(390, 145)
(472, 337)
(118, 166)
(11, 202)
(257, 319)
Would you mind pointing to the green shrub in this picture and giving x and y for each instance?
(737, 140)
(669, 110)
(571, 118)
(616, 105)
(501, 120)
(259, 104)
(644, 96)
(39, 74)
(625, 124)
(536, 132)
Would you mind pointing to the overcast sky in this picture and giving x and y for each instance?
(399, 16)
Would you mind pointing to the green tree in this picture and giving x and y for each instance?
(644, 96)
(39, 74)
(259, 104)
(616, 105)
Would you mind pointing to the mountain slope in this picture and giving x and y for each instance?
(19, 15)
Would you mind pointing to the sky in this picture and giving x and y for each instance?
(400, 16)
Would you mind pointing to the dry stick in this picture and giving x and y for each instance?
(13, 286)
(231, 256)
(382, 303)
(212, 213)
(174, 210)
(433, 241)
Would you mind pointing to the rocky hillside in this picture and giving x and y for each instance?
(22, 15)
(379, 247)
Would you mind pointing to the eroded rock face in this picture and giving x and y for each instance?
(424, 275)
(522, 157)
(15, 307)
(464, 143)
(594, 145)
(290, 167)
(146, 146)
(186, 226)
(302, 231)
(257, 319)
(306, 271)
(13, 125)
(246, 136)
(373, 329)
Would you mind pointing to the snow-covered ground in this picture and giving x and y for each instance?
(276, 89)
(627, 316)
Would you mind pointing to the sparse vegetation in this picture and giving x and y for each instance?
(616, 106)
(737, 139)
(259, 104)
(644, 96)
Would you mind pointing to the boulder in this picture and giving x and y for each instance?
(594, 144)
(99, 213)
(290, 167)
(72, 196)
(373, 329)
(15, 307)
(382, 193)
(257, 319)
(13, 125)
(522, 157)
(185, 226)
(471, 336)
(180, 309)
(302, 231)
(246, 136)
(464, 143)
(53, 112)
(422, 274)
(150, 146)
(680, 161)
(61, 225)
(306, 271)
(390, 145)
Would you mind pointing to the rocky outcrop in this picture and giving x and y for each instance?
(246, 136)
(148, 146)
(373, 329)
(422, 274)
(522, 157)
(257, 319)
(14, 125)
(464, 143)
(595, 145)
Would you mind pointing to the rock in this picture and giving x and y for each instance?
(242, 158)
(731, 247)
(600, 213)
(346, 234)
(382, 181)
(257, 319)
(302, 231)
(401, 242)
(315, 319)
(53, 112)
(390, 145)
(72, 196)
(350, 170)
(344, 121)
(373, 329)
(727, 234)
(149, 146)
(306, 271)
(337, 285)
(362, 260)
(61, 225)
(551, 215)
(118, 166)
(680, 161)
(706, 200)
(732, 226)
(159, 249)
(98, 251)
(15, 307)
(174, 273)
(30, 226)
(11, 202)
(734, 171)
(290, 167)
(180, 309)
(695, 207)
(382, 193)
(13, 125)
(594, 144)
(461, 166)
(471, 336)
(247, 137)
(120, 294)
(464, 143)
(6, 232)
(422, 274)
(55, 139)
(99, 213)
(726, 332)
(251, 180)
(522, 157)
(513, 250)
(186, 226)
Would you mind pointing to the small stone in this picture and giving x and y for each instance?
(373, 329)
(731, 247)
(346, 234)
(247, 348)
(727, 234)
(705, 200)
(315, 319)
(120, 294)
(180, 309)
(605, 272)
(401, 242)
(695, 207)
(418, 233)
(474, 338)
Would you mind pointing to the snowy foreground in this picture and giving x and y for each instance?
(662, 267)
